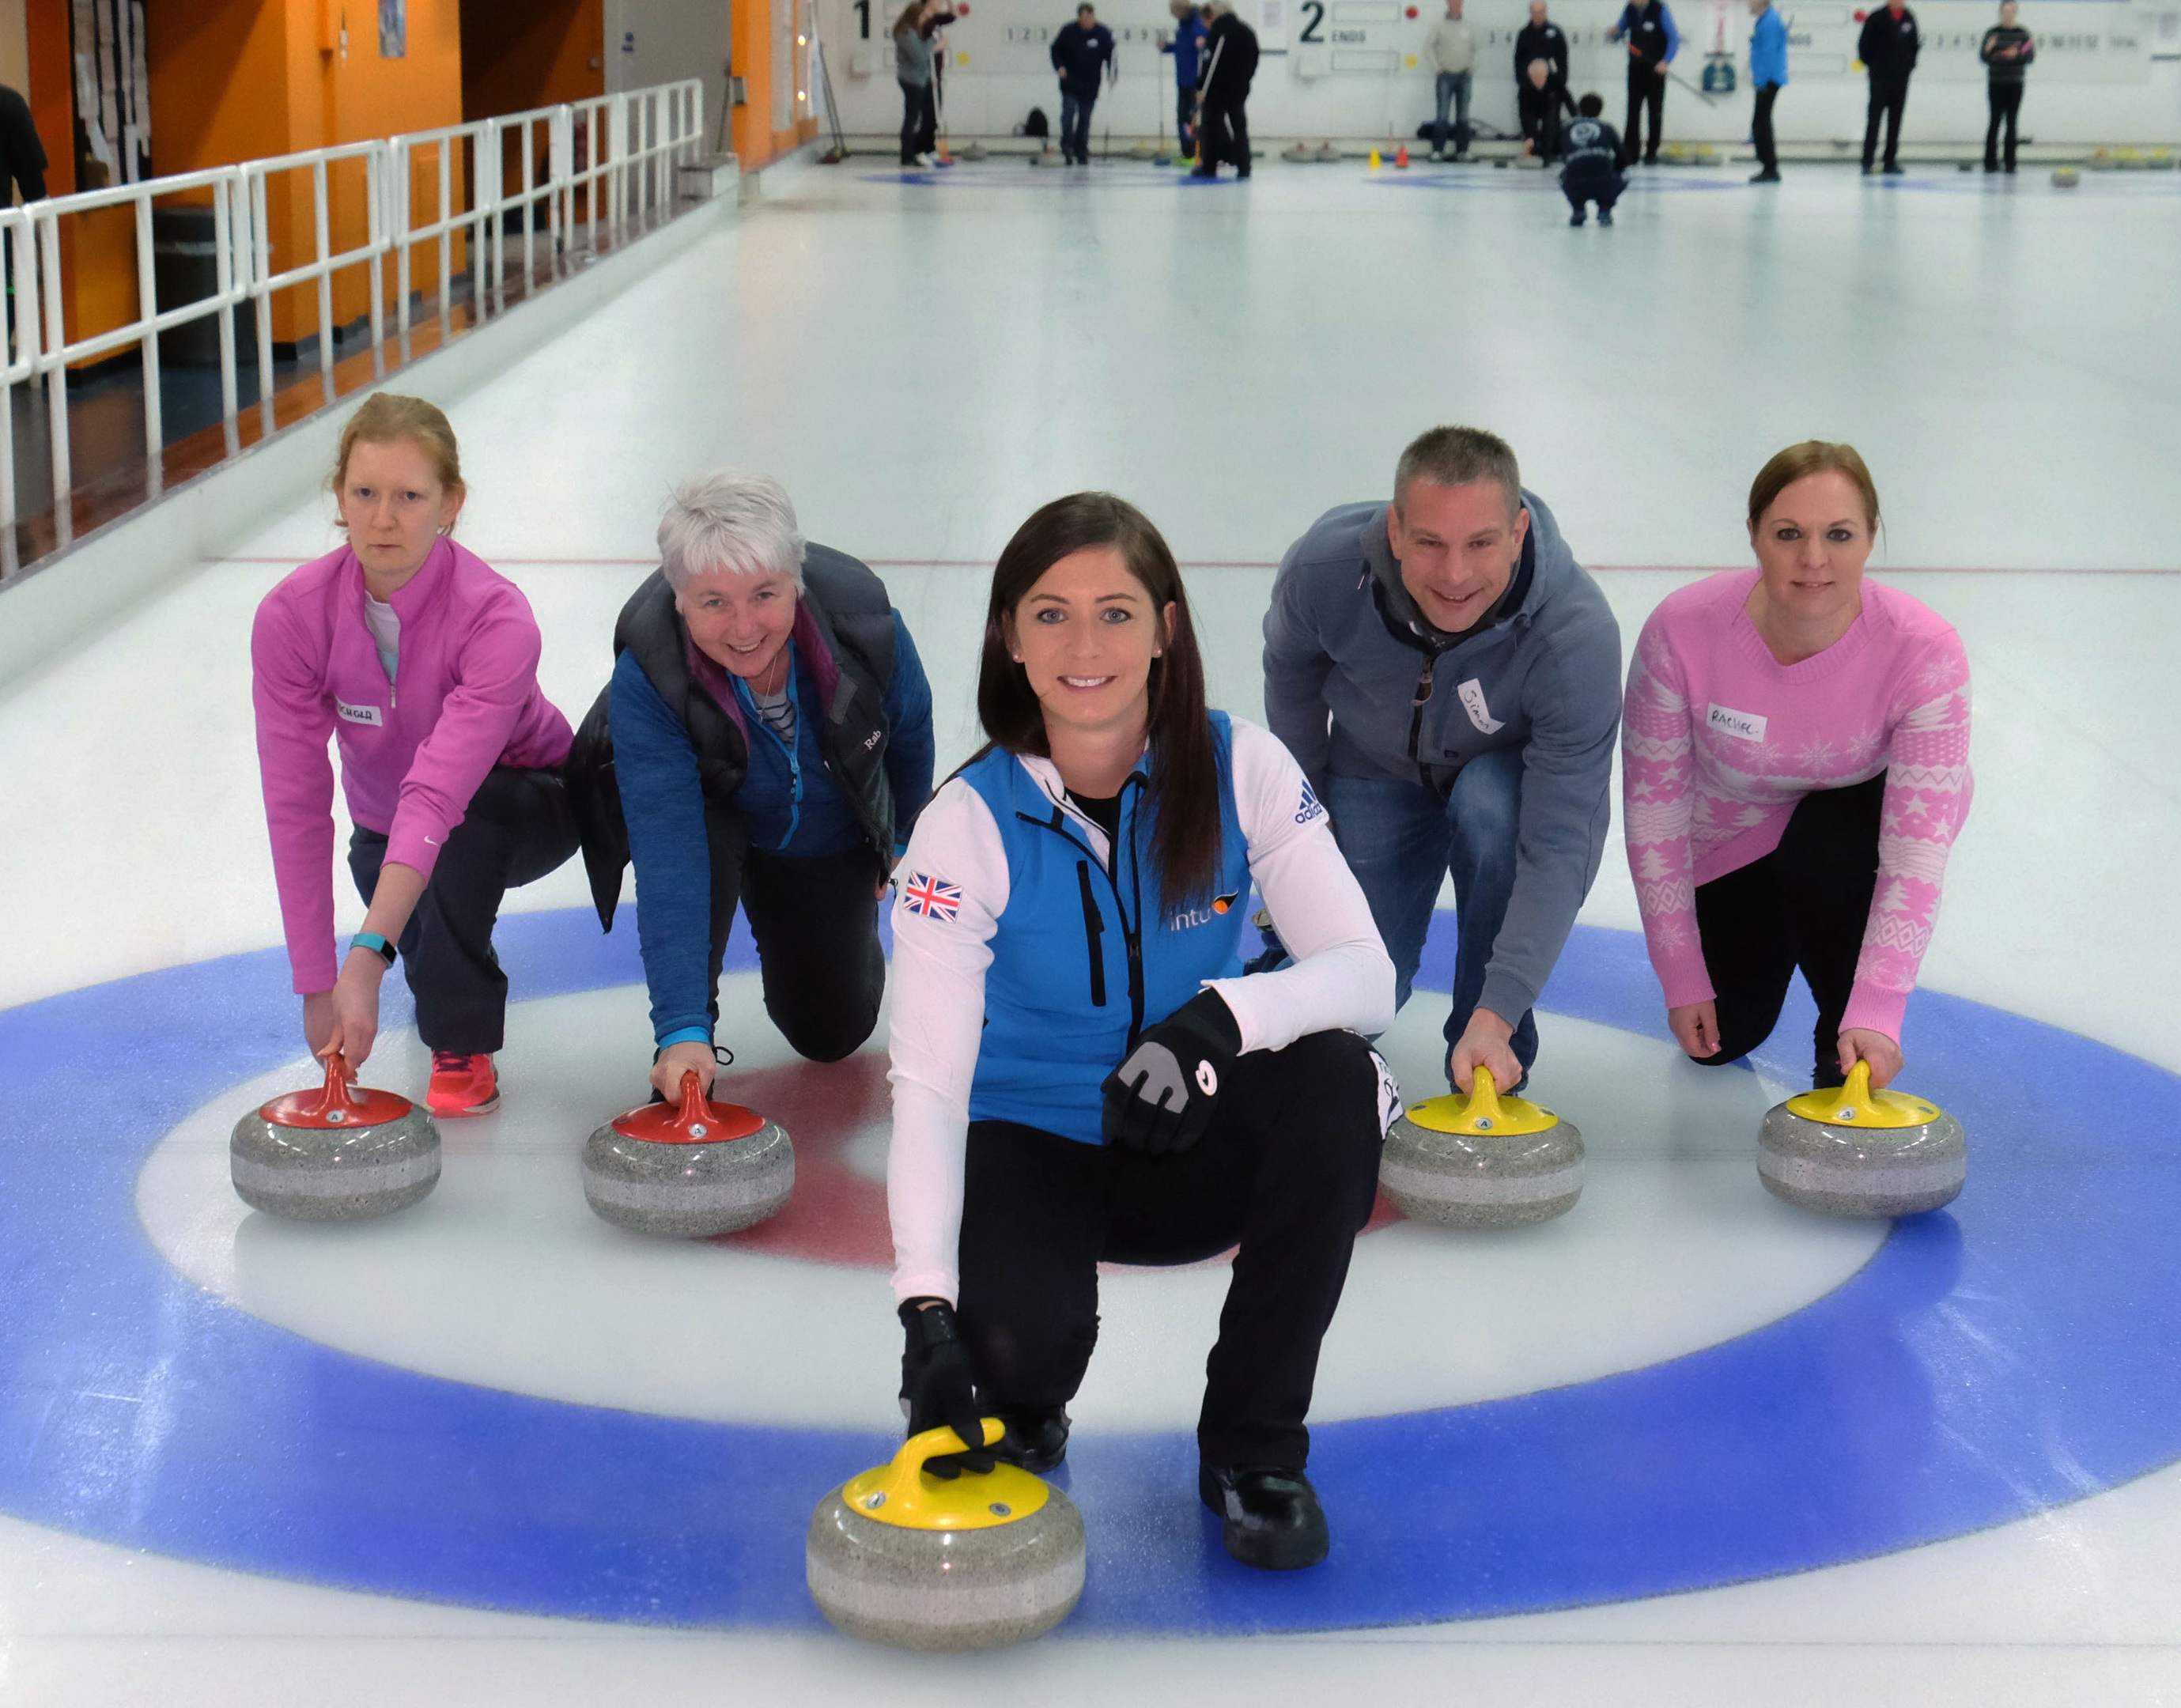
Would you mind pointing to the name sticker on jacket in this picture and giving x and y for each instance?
(359, 714)
(1742, 725)
(1472, 702)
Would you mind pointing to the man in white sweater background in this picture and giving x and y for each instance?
(1454, 53)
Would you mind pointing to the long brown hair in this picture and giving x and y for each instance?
(1184, 794)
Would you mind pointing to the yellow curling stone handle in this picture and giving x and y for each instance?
(902, 1494)
(1855, 1105)
(1483, 1111)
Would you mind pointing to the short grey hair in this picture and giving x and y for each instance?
(731, 522)
(1458, 456)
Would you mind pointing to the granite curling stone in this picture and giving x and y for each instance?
(900, 1556)
(1482, 1161)
(689, 1173)
(1853, 1152)
(2066, 177)
(337, 1154)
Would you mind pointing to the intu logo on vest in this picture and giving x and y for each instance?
(1189, 920)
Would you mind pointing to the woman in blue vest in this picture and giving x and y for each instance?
(1080, 1070)
(769, 729)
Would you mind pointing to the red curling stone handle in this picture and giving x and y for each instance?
(699, 1121)
(335, 1105)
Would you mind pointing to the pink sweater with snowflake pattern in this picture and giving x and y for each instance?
(1720, 740)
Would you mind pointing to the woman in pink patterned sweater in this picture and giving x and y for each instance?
(1795, 766)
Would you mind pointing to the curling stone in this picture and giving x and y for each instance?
(898, 1556)
(1297, 154)
(1854, 1151)
(691, 1172)
(1328, 155)
(1482, 1161)
(337, 1154)
(971, 151)
(2066, 177)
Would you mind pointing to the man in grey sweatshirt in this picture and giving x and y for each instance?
(1449, 678)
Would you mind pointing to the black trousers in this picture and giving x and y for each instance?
(1760, 127)
(1288, 1170)
(1888, 95)
(1541, 119)
(1223, 134)
(519, 827)
(1646, 88)
(919, 121)
(815, 921)
(2005, 107)
(1603, 190)
(1185, 120)
(1805, 905)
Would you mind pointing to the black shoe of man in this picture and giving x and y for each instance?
(1271, 1517)
(1037, 1438)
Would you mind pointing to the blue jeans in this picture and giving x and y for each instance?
(1453, 90)
(1075, 124)
(1398, 837)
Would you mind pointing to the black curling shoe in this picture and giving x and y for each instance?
(1037, 1438)
(1271, 1517)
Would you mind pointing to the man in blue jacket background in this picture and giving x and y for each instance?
(1768, 75)
(1083, 54)
(1185, 44)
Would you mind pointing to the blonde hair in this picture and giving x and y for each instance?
(386, 415)
(1812, 457)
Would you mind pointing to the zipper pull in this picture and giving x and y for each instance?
(1423, 684)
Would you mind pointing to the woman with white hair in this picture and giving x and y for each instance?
(765, 740)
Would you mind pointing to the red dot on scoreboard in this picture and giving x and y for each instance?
(1413, 11)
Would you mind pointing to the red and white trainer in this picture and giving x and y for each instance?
(461, 1085)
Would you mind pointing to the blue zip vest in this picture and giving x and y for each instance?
(1085, 957)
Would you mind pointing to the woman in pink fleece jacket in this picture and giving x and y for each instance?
(1795, 766)
(421, 662)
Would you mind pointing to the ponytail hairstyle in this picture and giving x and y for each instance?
(1184, 795)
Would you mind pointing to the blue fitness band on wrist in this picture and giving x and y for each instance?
(377, 944)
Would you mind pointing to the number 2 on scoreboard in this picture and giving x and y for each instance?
(1316, 8)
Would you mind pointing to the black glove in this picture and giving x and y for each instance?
(1160, 1098)
(938, 1384)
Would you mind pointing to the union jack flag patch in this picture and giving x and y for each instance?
(933, 898)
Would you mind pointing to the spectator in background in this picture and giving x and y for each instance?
(2007, 52)
(914, 70)
(22, 155)
(1185, 45)
(1888, 49)
(1767, 76)
(1454, 56)
(1540, 39)
(1647, 27)
(1230, 61)
(1591, 171)
(1541, 114)
(1083, 55)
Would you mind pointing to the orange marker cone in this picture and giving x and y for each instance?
(1401, 159)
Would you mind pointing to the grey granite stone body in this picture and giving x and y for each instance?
(1482, 1180)
(1862, 1171)
(688, 1191)
(334, 1173)
(946, 1590)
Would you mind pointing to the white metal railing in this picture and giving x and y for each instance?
(325, 260)
(443, 151)
(616, 154)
